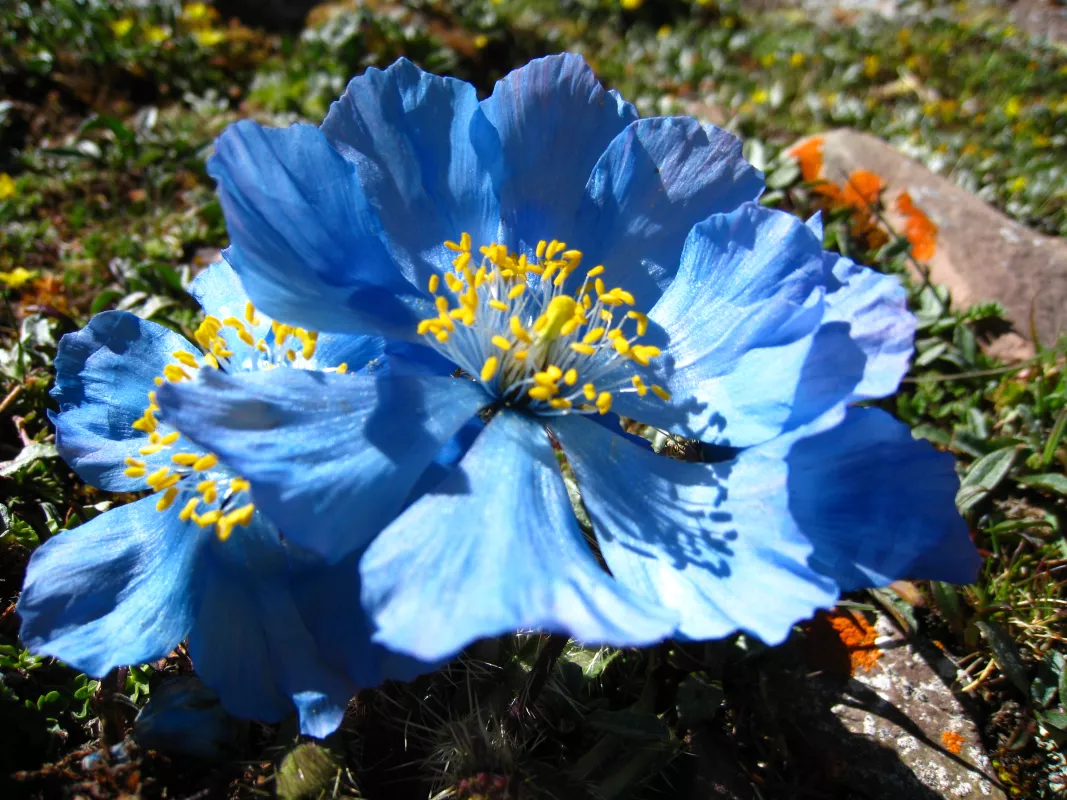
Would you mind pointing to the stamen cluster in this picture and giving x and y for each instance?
(515, 327)
(219, 497)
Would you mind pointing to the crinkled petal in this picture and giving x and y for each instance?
(875, 307)
(656, 180)
(427, 158)
(120, 589)
(554, 120)
(329, 603)
(745, 352)
(716, 543)
(492, 549)
(104, 373)
(878, 505)
(304, 238)
(331, 457)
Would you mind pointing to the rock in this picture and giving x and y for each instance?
(981, 255)
(1042, 18)
(893, 728)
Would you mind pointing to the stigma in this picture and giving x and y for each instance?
(512, 323)
(193, 484)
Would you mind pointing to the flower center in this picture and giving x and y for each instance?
(213, 495)
(512, 323)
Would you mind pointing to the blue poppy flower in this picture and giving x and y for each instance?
(195, 559)
(550, 261)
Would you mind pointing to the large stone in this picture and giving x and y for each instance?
(982, 255)
(881, 718)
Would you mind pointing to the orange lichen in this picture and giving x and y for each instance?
(809, 158)
(919, 230)
(858, 636)
(863, 188)
(952, 741)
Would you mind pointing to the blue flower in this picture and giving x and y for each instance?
(546, 261)
(268, 626)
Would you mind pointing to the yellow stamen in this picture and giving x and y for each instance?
(597, 270)
(157, 477)
(570, 377)
(584, 349)
(134, 462)
(250, 313)
(519, 332)
(661, 393)
(519, 355)
(589, 390)
(435, 283)
(134, 472)
(174, 373)
(168, 498)
(206, 461)
(516, 291)
(542, 392)
(184, 459)
(560, 403)
(188, 509)
(188, 359)
(593, 335)
(489, 368)
(603, 402)
(498, 305)
(639, 384)
(170, 438)
(239, 485)
(342, 368)
(210, 518)
(501, 342)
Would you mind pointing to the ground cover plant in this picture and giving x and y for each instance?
(106, 204)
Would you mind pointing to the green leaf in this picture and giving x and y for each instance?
(308, 771)
(1049, 481)
(104, 299)
(29, 454)
(629, 724)
(1054, 438)
(698, 699)
(1006, 654)
(984, 476)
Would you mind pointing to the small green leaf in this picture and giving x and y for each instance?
(1054, 438)
(629, 724)
(1049, 481)
(1006, 654)
(984, 476)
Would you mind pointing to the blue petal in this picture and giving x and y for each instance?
(554, 120)
(104, 373)
(875, 307)
(714, 542)
(220, 293)
(815, 225)
(740, 329)
(329, 603)
(657, 179)
(492, 549)
(184, 716)
(250, 642)
(305, 240)
(120, 589)
(426, 157)
(878, 505)
(331, 457)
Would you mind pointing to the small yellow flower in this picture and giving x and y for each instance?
(480, 41)
(870, 66)
(663, 32)
(1017, 185)
(17, 277)
(760, 96)
(768, 59)
(1013, 107)
(209, 37)
(7, 186)
(121, 27)
(156, 34)
(197, 12)
(797, 60)
(631, 5)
